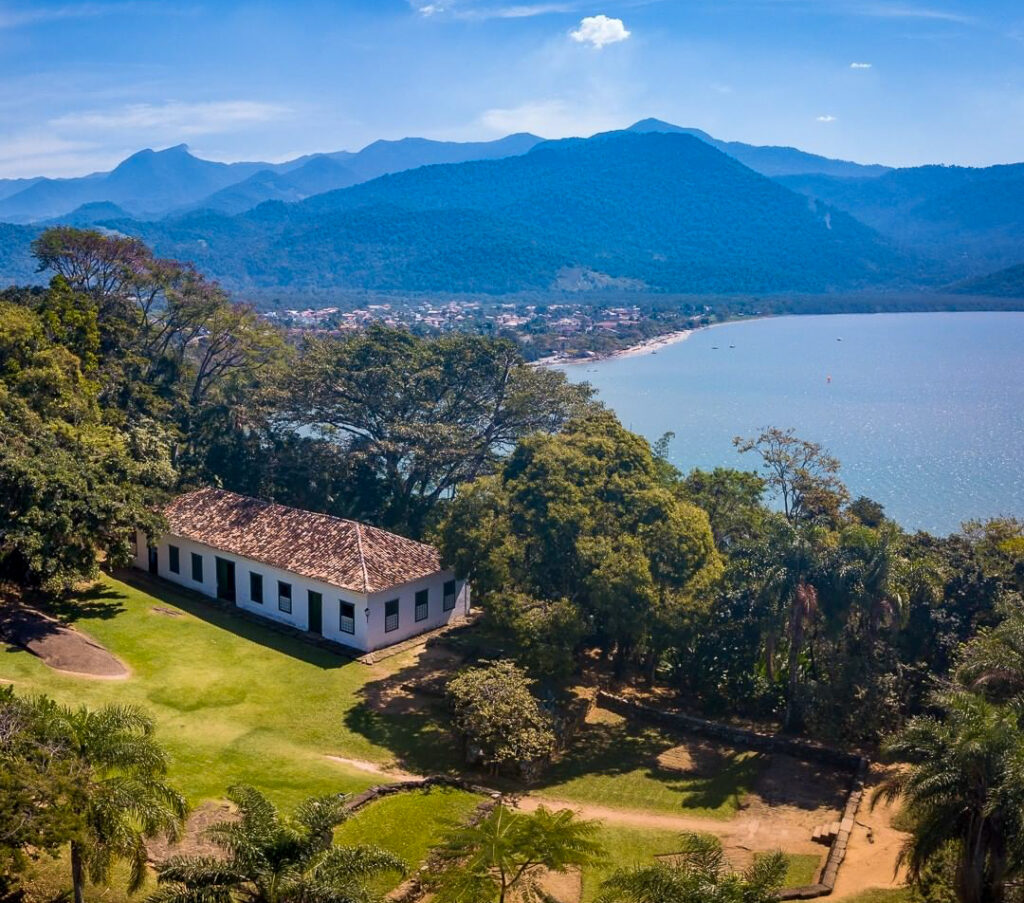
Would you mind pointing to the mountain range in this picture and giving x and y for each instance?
(152, 184)
(654, 207)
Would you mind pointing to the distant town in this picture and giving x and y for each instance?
(567, 329)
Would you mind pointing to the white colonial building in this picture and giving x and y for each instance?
(357, 585)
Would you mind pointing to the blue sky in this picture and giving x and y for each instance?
(83, 84)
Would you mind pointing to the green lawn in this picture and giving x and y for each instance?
(235, 702)
(408, 824)
(615, 763)
(625, 847)
(802, 869)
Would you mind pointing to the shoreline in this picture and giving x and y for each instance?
(647, 346)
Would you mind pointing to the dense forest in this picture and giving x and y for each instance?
(768, 595)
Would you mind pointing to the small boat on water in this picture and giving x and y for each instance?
(714, 348)
(732, 346)
(839, 338)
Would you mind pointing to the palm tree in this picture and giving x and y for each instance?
(274, 859)
(993, 662)
(964, 791)
(121, 798)
(699, 874)
(507, 853)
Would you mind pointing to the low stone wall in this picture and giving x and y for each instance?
(412, 889)
(769, 743)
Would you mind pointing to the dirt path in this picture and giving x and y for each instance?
(873, 852)
(375, 768)
(60, 647)
(767, 829)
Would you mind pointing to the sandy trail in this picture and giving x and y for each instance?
(395, 774)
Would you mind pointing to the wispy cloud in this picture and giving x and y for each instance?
(910, 11)
(182, 119)
(472, 10)
(827, 117)
(21, 17)
(551, 118)
(599, 31)
(860, 65)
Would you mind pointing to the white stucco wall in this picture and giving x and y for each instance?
(369, 609)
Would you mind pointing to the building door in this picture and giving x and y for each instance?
(154, 561)
(225, 579)
(316, 612)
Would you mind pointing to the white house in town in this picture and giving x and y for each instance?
(354, 584)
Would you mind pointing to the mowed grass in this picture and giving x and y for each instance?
(801, 869)
(626, 847)
(408, 824)
(234, 702)
(614, 762)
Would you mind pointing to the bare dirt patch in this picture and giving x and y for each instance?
(169, 612)
(194, 841)
(60, 647)
(415, 687)
(564, 887)
(396, 774)
(695, 757)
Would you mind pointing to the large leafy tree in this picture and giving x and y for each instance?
(425, 414)
(504, 856)
(496, 714)
(584, 516)
(699, 874)
(272, 858)
(964, 792)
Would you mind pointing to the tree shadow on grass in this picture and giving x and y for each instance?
(280, 638)
(405, 712)
(99, 602)
(704, 776)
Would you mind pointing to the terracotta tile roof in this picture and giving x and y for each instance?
(340, 552)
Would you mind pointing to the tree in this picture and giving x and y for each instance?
(583, 515)
(120, 797)
(270, 858)
(963, 790)
(428, 414)
(802, 473)
(700, 874)
(732, 500)
(496, 714)
(37, 786)
(504, 856)
(992, 663)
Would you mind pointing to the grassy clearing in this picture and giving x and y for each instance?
(408, 824)
(626, 847)
(801, 869)
(614, 762)
(234, 702)
(48, 880)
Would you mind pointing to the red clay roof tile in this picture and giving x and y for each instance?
(340, 552)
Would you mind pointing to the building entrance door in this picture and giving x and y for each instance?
(225, 579)
(316, 612)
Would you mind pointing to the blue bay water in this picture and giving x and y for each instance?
(925, 411)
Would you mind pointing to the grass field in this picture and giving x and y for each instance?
(615, 763)
(626, 847)
(234, 702)
(408, 824)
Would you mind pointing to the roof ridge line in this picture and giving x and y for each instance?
(362, 557)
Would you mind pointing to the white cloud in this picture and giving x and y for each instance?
(860, 65)
(552, 118)
(828, 117)
(176, 117)
(598, 31)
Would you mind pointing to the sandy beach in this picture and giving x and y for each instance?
(646, 347)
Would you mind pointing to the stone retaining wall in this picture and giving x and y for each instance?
(769, 743)
(412, 889)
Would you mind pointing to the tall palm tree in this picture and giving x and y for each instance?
(700, 874)
(271, 858)
(121, 797)
(993, 662)
(506, 854)
(964, 790)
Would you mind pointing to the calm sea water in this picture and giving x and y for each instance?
(925, 411)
